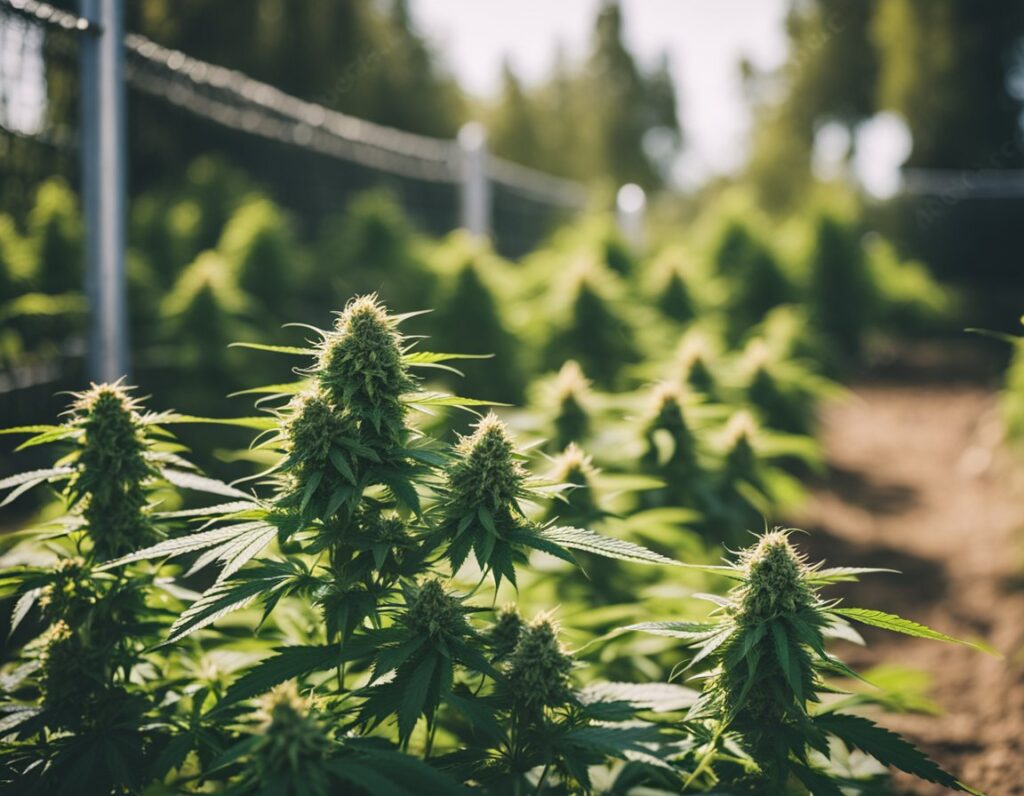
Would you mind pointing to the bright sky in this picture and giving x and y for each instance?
(704, 39)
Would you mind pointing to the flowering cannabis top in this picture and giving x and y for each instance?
(485, 471)
(361, 369)
(538, 669)
(111, 470)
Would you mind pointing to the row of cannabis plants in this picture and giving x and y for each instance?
(385, 610)
(213, 260)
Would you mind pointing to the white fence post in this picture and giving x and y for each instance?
(475, 187)
(104, 143)
(630, 204)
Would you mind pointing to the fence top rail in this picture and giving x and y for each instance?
(233, 99)
(51, 15)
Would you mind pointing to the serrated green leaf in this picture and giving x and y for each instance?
(342, 466)
(277, 349)
(187, 544)
(287, 388)
(607, 546)
(201, 483)
(34, 476)
(415, 693)
(907, 627)
(690, 631)
(658, 697)
(285, 664)
(37, 429)
(217, 601)
(887, 748)
(255, 423)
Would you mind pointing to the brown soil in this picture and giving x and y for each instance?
(917, 482)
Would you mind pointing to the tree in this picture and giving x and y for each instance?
(946, 68)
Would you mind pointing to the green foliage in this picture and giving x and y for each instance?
(591, 122)
(592, 330)
(842, 297)
(761, 716)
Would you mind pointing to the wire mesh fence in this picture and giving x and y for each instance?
(311, 159)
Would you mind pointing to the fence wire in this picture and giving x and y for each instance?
(277, 137)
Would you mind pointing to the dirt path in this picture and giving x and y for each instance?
(916, 482)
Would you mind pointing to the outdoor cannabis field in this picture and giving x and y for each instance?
(368, 430)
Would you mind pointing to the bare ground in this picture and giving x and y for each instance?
(917, 482)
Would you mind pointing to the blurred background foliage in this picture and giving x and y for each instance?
(230, 240)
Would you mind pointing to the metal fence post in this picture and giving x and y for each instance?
(103, 154)
(630, 207)
(475, 189)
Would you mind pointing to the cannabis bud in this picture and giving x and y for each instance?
(740, 458)
(71, 594)
(666, 411)
(361, 369)
(485, 472)
(538, 670)
(692, 367)
(573, 466)
(71, 675)
(111, 469)
(435, 612)
(291, 734)
(312, 427)
(571, 397)
(774, 580)
(503, 635)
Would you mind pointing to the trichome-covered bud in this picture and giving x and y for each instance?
(485, 472)
(290, 735)
(362, 372)
(111, 469)
(539, 667)
(774, 580)
(692, 368)
(433, 611)
(740, 458)
(71, 594)
(503, 635)
(574, 467)
(71, 674)
(321, 466)
(313, 425)
(666, 411)
(571, 393)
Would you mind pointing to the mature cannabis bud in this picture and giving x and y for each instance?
(71, 675)
(71, 594)
(774, 580)
(290, 735)
(740, 458)
(503, 635)
(538, 670)
(435, 612)
(573, 466)
(111, 469)
(571, 398)
(313, 426)
(361, 369)
(691, 365)
(485, 472)
(666, 412)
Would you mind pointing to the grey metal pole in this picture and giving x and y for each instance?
(475, 188)
(104, 143)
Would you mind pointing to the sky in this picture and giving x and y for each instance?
(704, 39)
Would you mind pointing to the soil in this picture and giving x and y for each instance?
(918, 481)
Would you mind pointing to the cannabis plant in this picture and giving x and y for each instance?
(83, 701)
(767, 720)
(370, 520)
